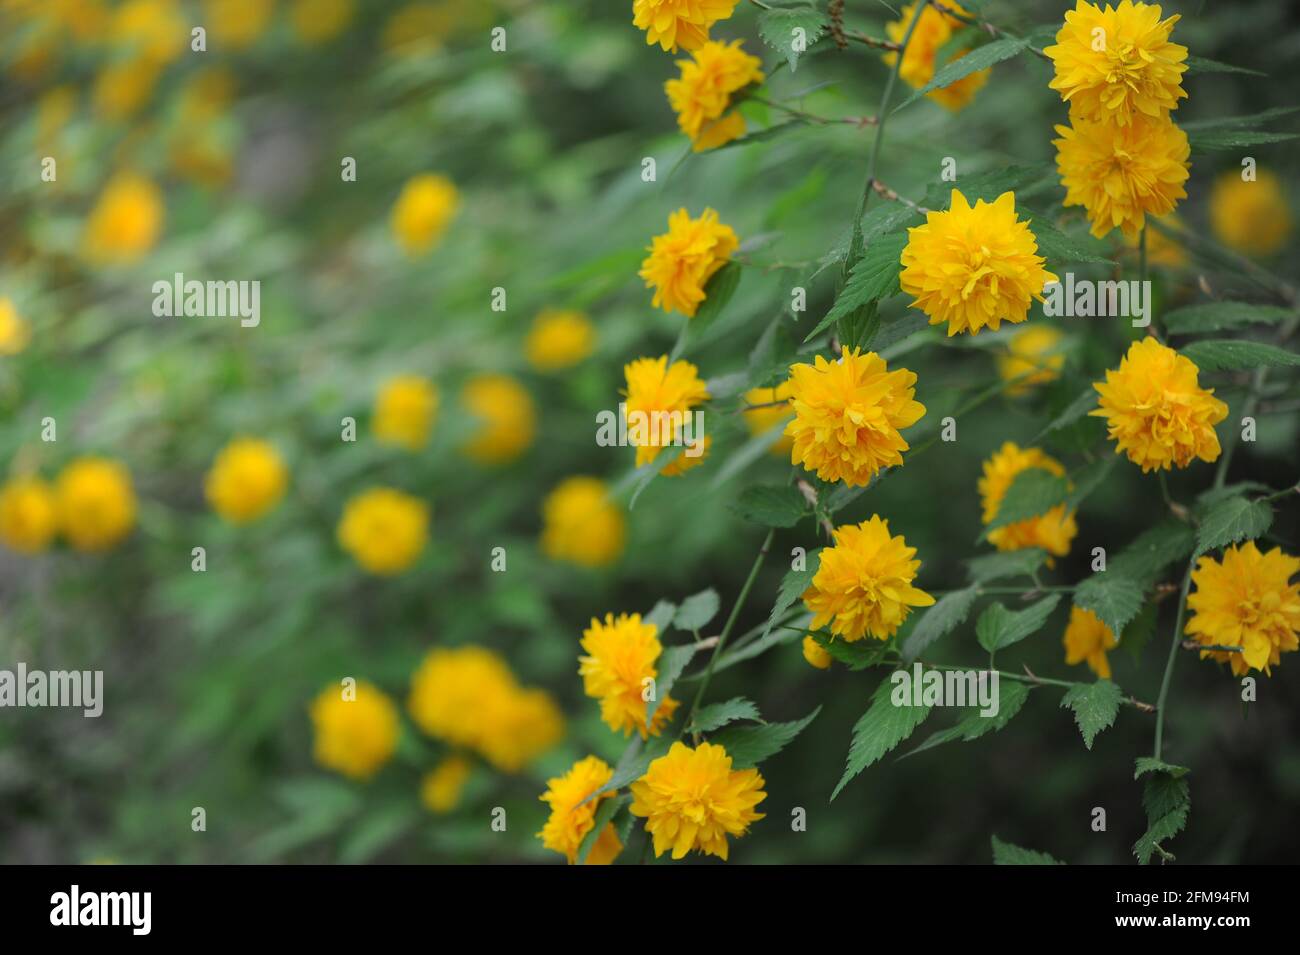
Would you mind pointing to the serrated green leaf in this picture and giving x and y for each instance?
(1154, 550)
(881, 728)
(1061, 249)
(1033, 492)
(1239, 355)
(605, 813)
(791, 30)
(998, 627)
(716, 715)
(1004, 853)
(874, 276)
(1012, 695)
(750, 745)
(1148, 764)
(859, 655)
(1095, 707)
(672, 662)
(980, 58)
(772, 505)
(1235, 139)
(793, 584)
(1216, 316)
(1252, 119)
(1076, 410)
(1199, 64)
(1233, 520)
(1003, 564)
(987, 185)
(1113, 597)
(945, 616)
(697, 610)
(1167, 800)
(662, 615)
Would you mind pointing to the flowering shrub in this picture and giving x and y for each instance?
(609, 435)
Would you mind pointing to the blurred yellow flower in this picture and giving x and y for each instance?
(1156, 411)
(1033, 357)
(702, 94)
(468, 697)
(571, 819)
(356, 736)
(236, 24)
(660, 397)
(1122, 174)
(506, 415)
(1251, 217)
(125, 222)
(207, 94)
(1116, 63)
(96, 503)
(319, 21)
(54, 111)
(1246, 600)
(1087, 639)
(773, 407)
(973, 267)
(581, 525)
(618, 669)
(559, 339)
(29, 515)
(931, 34)
(684, 258)
(247, 480)
(849, 414)
(385, 530)
(816, 655)
(121, 89)
(418, 29)
(153, 30)
(1051, 531)
(687, 459)
(863, 586)
(422, 212)
(405, 410)
(692, 800)
(15, 332)
(441, 786)
(684, 23)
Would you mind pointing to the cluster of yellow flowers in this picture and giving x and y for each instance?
(91, 503)
(931, 34)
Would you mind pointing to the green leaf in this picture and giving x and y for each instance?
(662, 615)
(1004, 564)
(885, 218)
(762, 135)
(793, 584)
(1113, 597)
(717, 294)
(716, 715)
(697, 610)
(1198, 319)
(1033, 492)
(791, 30)
(772, 505)
(859, 326)
(859, 655)
(978, 59)
(939, 620)
(671, 664)
(1236, 138)
(604, 815)
(1139, 631)
(1199, 64)
(1167, 799)
(1004, 853)
(881, 728)
(1238, 355)
(998, 627)
(1095, 707)
(375, 831)
(1087, 479)
(1076, 410)
(750, 745)
(634, 762)
(1061, 249)
(1148, 764)
(892, 332)
(1232, 520)
(1154, 550)
(874, 276)
(987, 185)
(1012, 695)
(1253, 119)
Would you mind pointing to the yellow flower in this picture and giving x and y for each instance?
(864, 584)
(152, 29)
(660, 397)
(29, 515)
(693, 799)
(468, 697)
(684, 461)
(355, 736)
(384, 530)
(815, 653)
(973, 266)
(121, 89)
(441, 787)
(506, 414)
(617, 669)
(1088, 639)
(763, 419)
(236, 24)
(684, 258)
(247, 480)
(404, 411)
(1034, 358)
(702, 94)
(422, 212)
(1156, 411)
(1161, 249)
(15, 332)
(1251, 217)
(1121, 174)
(1246, 600)
(319, 21)
(581, 525)
(932, 33)
(684, 23)
(1052, 531)
(1114, 64)
(848, 415)
(125, 221)
(559, 339)
(418, 29)
(96, 503)
(571, 819)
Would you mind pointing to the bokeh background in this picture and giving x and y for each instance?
(209, 676)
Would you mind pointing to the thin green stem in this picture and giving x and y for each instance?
(1173, 655)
